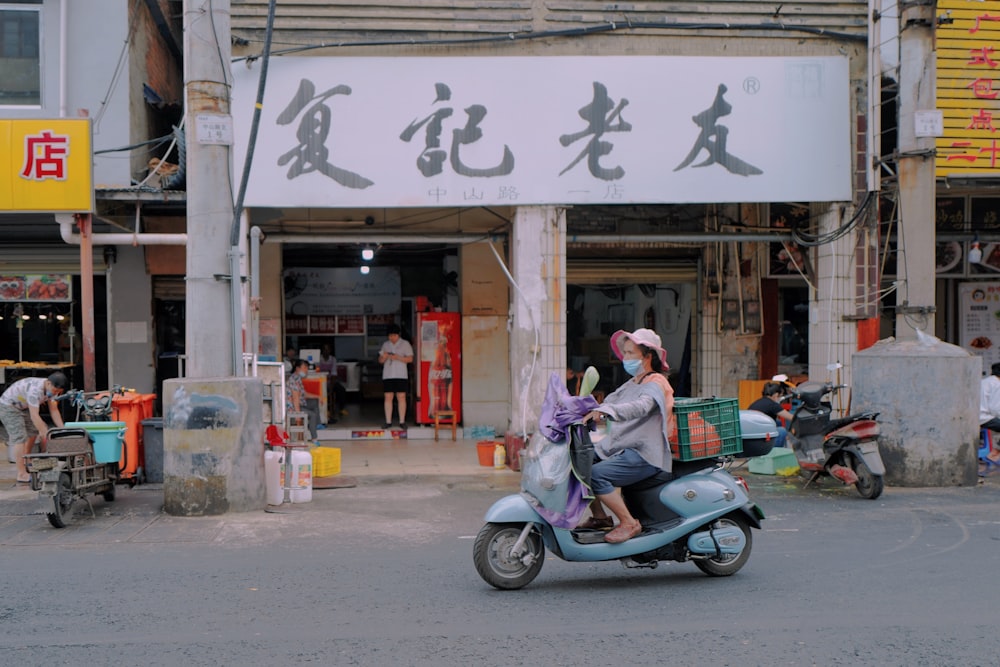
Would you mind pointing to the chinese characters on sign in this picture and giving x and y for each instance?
(312, 154)
(713, 139)
(49, 165)
(599, 115)
(548, 130)
(969, 101)
(45, 156)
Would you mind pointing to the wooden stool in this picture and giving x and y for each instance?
(298, 426)
(449, 416)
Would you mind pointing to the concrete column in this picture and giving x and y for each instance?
(922, 445)
(832, 339)
(213, 452)
(538, 265)
(917, 92)
(208, 332)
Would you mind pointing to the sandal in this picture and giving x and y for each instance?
(623, 533)
(594, 523)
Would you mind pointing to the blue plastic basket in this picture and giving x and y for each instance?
(108, 438)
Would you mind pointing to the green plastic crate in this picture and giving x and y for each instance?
(706, 428)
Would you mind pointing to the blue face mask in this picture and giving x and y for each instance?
(632, 366)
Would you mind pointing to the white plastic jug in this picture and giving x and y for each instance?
(301, 471)
(272, 478)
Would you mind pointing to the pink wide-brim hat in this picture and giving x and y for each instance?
(646, 337)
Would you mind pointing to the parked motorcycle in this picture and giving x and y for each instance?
(845, 449)
(704, 515)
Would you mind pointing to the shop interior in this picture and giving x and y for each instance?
(428, 281)
(41, 333)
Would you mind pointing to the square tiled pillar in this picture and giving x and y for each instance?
(538, 327)
(833, 331)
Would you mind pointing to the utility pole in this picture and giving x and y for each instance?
(207, 77)
(917, 92)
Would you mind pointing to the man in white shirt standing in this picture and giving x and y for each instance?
(394, 356)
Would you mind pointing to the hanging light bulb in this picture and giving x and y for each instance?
(365, 270)
(367, 254)
(975, 253)
(60, 317)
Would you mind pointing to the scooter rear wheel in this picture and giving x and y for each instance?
(728, 564)
(869, 485)
(497, 565)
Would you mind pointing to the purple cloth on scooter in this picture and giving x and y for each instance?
(577, 500)
(560, 409)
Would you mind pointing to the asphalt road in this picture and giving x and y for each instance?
(382, 574)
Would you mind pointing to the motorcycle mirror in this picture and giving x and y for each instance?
(780, 377)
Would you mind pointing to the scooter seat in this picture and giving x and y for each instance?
(850, 419)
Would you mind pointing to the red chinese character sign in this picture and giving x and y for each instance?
(967, 91)
(48, 165)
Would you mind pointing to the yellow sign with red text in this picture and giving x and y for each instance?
(49, 167)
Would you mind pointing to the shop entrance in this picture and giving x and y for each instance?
(428, 281)
(596, 311)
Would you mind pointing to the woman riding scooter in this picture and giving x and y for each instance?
(636, 446)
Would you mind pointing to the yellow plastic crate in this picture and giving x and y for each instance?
(326, 461)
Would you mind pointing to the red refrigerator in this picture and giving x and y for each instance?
(439, 365)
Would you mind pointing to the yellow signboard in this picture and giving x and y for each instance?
(49, 165)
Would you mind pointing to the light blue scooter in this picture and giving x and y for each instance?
(703, 515)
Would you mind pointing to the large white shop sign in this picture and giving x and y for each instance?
(347, 132)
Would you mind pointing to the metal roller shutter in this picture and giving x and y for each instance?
(169, 288)
(628, 272)
(17, 260)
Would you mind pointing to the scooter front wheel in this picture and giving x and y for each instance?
(495, 562)
(728, 564)
(869, 485)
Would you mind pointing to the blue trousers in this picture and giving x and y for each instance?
(624, 468)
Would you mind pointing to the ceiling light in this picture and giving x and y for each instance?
(365, 270)
(367, 254)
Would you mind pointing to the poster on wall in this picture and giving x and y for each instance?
(46, 287)
(341, 291)
(979, 320)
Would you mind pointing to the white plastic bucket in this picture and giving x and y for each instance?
(272, 478)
